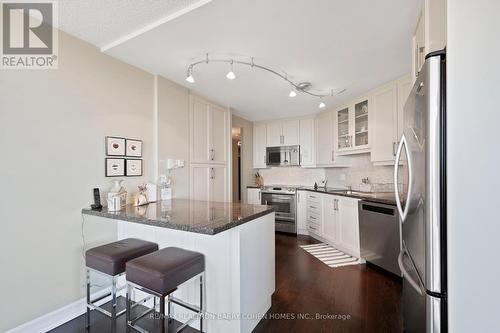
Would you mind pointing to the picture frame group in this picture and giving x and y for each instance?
(117, 163)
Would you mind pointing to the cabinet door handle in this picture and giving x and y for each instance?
(394, 148)
(332, 156)
(212, 154)
(312, 207)
(312, 217)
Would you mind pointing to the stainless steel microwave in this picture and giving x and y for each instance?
(283, 156)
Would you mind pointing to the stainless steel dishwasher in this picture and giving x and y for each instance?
(380, 235)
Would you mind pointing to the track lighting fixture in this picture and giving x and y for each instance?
(303, 87)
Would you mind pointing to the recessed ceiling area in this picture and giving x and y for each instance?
(356, 45)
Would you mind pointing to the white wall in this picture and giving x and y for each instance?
(473, 112)
(52, 129)
(173, 132)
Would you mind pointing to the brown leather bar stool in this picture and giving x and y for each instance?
(109, 260)
(160, 274)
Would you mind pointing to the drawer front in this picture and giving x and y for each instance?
(313, 228)
(314, 198)
(313, 218)
(313, 207)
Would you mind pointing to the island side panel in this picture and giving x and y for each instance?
(233, 259)
(257, 262)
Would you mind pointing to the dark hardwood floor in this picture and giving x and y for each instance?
(362, 298)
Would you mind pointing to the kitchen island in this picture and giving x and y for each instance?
(237, 241)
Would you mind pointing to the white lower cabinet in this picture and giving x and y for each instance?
(330, 218)
(301, 213)
(209, 183)
(347, 215)
(253, 196)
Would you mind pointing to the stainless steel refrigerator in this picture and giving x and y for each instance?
(420, 186)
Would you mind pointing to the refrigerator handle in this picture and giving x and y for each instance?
(402, 212)
(407, 276)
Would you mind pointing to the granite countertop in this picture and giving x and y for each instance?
(379, 197)
(253, 186)
(188, 215)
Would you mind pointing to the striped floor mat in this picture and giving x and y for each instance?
(330, 255)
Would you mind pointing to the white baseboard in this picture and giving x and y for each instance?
(58, 317)
(53, 319)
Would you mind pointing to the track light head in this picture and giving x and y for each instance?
(230, 75)
(189, 77)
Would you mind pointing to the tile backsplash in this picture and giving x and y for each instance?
(380, 177)
(292, 176)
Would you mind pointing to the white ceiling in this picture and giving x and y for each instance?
(352, 44)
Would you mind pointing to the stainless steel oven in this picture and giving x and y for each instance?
(283, 156)
(283, 199)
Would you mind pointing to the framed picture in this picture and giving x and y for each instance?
(115, 167)
(134, 168)
(115, 146)
(134, 148)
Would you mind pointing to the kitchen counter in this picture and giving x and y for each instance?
(380, 197)
(253, 186)
(237, 241)
(187, 215)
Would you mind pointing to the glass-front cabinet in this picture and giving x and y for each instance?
(352, 128)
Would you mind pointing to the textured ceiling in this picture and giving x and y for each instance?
(352, 44)
(101, 22)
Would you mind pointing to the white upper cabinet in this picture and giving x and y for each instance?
(274, 134)
(387, 119)
(324, 138)
(259, 145)
(404, 85)
(290, 131)
(352, 130)
(283, 133)
(385, 122)
(200, 131)
(307, 142)
(218, 124)
(210, 132)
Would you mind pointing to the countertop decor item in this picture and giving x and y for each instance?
(115, 167)
(259, 180)
(141, 198)
(115, 146)
(117, 196)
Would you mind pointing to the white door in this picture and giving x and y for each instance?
(219, 183)
(306, 141)
(324, 134)
(259, 145)
(274, 134)
(219, 128)
(330, 219)
(253, 196)
(200, 134)
(348, 225)
(200, 182)
(290, 132)
(384, 123)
